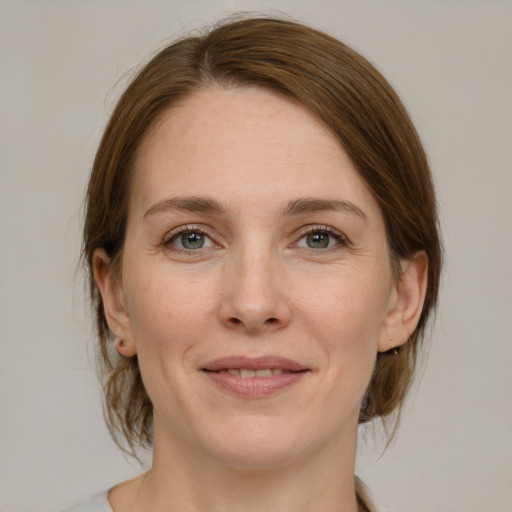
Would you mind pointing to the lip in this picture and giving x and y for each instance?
(255, 387)
(254, 363)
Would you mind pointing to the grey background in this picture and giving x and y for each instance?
(63, 64)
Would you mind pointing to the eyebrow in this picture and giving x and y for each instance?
(301, 206)
(187, 204)
(311, 204)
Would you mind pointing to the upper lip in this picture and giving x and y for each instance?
(254, 363)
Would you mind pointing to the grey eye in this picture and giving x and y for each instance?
(189, 240)
(192, 240)
(318, 240)
(322, 238)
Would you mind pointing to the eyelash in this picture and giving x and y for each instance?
(340, 238)
(177, 233)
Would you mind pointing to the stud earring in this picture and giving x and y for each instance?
(392, 350)
(120, 344)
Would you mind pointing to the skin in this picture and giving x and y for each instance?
(260, 285)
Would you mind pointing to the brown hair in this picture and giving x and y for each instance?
(336, 84)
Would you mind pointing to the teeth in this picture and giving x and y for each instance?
(249, 374)
(263, 373)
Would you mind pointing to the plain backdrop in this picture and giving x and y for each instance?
(64, 63)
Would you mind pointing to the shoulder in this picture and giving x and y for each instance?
(368, 498)
(96, 503)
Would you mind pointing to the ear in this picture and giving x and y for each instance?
(114, 304)
(406, 303)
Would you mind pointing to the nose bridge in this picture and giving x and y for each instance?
(254, 298)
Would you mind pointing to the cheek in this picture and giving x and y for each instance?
(346, 323)
(168, 319)
(349, 310)
(167, 313)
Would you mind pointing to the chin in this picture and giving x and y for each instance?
(252, 456)
(258, 444)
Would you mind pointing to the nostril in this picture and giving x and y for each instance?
(236, 320)
(271, 320)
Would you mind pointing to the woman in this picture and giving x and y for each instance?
(262, 242)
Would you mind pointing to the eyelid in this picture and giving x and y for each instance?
(173, 234)
(342, 239)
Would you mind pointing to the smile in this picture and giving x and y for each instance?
(254, 377)
(249, 374)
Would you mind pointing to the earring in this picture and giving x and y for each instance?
(120, 344)
(392, 350)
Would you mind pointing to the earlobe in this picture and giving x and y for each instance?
(406, 303)
(112, 296)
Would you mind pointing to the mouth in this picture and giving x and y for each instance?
(247, 373)
(254, 377)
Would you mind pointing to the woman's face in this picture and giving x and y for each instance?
(256, 284)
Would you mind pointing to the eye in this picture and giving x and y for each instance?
(322, 238)
(318, 240)
(189, 239)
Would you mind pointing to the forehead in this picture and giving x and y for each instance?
(242, 142)
(226, 117)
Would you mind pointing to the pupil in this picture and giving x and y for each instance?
(192, 240)
(318, 240)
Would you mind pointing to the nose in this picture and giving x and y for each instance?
(254, 296)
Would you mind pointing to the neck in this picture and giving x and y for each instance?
(181, 480)
(286, 489)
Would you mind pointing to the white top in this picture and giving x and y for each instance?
(99, 502)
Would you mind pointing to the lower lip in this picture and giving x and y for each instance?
(255, 387)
